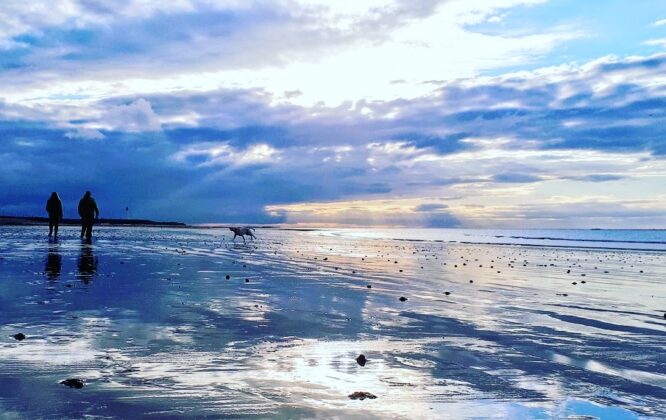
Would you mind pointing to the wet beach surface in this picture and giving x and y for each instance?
(152, 325)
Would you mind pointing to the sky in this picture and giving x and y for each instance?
(423, 113)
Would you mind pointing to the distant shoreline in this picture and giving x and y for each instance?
(32, 221)
(38, 221)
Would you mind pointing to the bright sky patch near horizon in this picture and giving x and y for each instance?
(504, 113)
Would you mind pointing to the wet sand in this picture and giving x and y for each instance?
(148, 319)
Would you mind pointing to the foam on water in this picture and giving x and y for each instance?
(149, 320)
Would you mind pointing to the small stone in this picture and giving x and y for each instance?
(361, 395)
(227, 276)
(402, 299)
(369, 286)
(19, 336)
(574, 283)
(73, 383)
(247, 280)
(361, 360)
(447, 293)
(471, 281)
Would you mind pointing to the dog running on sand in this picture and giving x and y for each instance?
(242, 231)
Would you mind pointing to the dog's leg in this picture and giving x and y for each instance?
(234, 240)
(243, 236)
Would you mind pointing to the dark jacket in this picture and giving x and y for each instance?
(54, 208)
(88, 208)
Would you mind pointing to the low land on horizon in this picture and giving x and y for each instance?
(34, 220)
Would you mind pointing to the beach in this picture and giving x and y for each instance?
(182, 322)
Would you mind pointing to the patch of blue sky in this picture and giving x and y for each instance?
(611, 27)
(13, 58)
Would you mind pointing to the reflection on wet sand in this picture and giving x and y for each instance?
(87, 262)
(53, 261)
(191, 324)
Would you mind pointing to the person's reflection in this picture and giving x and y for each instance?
(53, 261)
(87, 263)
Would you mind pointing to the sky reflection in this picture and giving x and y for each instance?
(156, 327)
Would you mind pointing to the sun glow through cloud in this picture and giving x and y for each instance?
(389, 112)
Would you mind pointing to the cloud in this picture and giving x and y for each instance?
(511, 177)
(597, 177)
(141, 47)
(85, 133)
(657, 42)
(660, 22)
(428, 207)
(442, 220)
(502, 145)
(221, 153)
(132, 117)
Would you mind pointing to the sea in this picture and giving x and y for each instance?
(628, 239)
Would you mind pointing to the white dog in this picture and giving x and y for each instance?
(242, 231)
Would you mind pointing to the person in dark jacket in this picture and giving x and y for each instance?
(89, 212)
(54, 209)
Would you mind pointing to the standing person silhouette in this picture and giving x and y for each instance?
(89, 212)
(54, 209)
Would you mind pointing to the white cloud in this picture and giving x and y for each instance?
(133, 117)
(85, 133)
(329, 51)
(657, 42)
(222, 153)
(661, 22)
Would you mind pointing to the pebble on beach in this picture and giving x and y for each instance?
(361, 395)
(19, 336)
(361, 360)
(402, 299)
(73, 383)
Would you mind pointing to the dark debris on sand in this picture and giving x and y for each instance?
(19, 336)
(361, 360)
(73, 383)
(361, 395)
